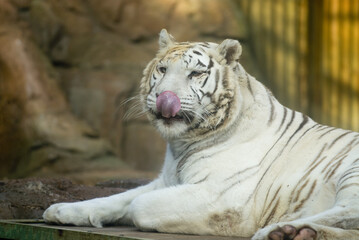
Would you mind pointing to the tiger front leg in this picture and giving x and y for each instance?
(99, 211)
(180, 209)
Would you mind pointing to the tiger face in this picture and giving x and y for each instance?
(187, 89)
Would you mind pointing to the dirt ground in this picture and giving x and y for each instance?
(28, 198)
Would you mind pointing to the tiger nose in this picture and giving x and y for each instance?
(168, 104)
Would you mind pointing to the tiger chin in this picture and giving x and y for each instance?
(238, 163)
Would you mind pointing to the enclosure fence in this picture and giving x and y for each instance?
(308, 52)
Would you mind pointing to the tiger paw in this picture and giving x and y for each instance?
(290, 232)
(80, 214)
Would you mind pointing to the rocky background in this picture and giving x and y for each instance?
(66, 67)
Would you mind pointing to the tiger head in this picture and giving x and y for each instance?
(190, 88)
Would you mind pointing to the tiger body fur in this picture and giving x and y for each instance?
(238, 163)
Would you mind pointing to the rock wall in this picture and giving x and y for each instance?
(38, 132)
(67, 66)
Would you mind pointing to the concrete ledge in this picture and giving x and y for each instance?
(33, 229)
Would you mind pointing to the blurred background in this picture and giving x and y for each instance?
(66, 66)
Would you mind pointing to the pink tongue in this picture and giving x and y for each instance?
(168, 104)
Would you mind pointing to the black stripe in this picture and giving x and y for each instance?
(199, 99)
(151, 87)
(348, 173)
(273, 198)
(210, 65)
(311, 190)
(283, 119)
(346, 148)
(270, 120)
(196, 52)
(305, 120)
(318, 156)
(334, 168)
(347, 185)
(188, 154)
(227, 188)
(183, 152)
(321, 128)
(203, 94)
(314, 166)
(337, 160)
(304, 134)
(331, 145)
(355, 161)
(331, 163)
(202, 49)
(202, 180)
(224, 119)
(207, 94)
(205, 81)
(151, 68)
(271, 214)
(234, 175)
(332, 128)
(346, 176)
(290, 123)
(203, 45)
(299, 191)
(200, 63)
(286, 145)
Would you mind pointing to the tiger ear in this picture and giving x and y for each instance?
(165, 39)
(230, 49)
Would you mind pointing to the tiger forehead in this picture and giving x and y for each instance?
(180, 50)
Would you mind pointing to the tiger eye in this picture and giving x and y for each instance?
(162, 69)
(195, 74)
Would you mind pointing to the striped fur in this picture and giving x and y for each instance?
(238, 163)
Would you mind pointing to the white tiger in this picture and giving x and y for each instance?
(238, 163)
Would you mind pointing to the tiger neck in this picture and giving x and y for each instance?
(183, 147)
(258, 109)
(246, 124)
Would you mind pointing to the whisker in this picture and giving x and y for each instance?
(135, 113)
(197, 114)
(187, 117)
(133, 108)
(130, 99)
